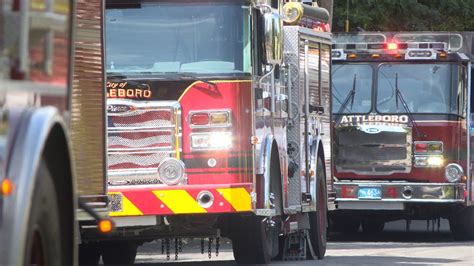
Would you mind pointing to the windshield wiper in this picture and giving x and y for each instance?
(398, 94)
(350, 97)
(184, 75)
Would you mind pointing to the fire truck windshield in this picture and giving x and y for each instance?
(343, 77)
(162, 37)
(426, 88)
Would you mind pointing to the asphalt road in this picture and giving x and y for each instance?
(394, 246)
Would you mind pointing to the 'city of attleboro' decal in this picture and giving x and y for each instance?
(383, 119)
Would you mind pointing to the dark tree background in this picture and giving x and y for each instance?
(404, 15)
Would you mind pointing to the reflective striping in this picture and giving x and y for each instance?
(239, 198)
(179, 201)
(128, 208)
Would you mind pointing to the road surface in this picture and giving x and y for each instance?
(394, 246)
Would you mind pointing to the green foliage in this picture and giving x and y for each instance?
(404, 15)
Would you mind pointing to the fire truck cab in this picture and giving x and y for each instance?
(401, 111)
(218, 126)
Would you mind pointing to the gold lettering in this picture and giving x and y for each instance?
(113, 93)
(121, 93)
(138, 93)
(122, 84)
(130, 93)
(147, 93)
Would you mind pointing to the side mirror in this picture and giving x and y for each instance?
(273, 38)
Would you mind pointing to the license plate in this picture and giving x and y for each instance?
(370, 193)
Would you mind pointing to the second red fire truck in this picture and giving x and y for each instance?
(402, 112)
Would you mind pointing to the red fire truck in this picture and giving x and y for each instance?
(219, 125)
(401, 107)
(52, 129)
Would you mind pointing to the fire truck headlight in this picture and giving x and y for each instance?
(211, 141)
(453, 172)
(429, 160)
(171, 171)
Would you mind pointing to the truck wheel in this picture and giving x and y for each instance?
(318, 219)
(462, 224)
(254, 241)
(119, 252)
(43, 243)
(344, 224)
(372, 226)
(89, 254)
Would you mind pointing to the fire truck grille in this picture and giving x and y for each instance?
(383, 152)
(140, 138)
(143, 119)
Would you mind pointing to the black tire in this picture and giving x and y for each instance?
(119, 252)
(344, 224)
(43, 243)
(254, 241)
(372, 227)
(89, 254)
(318, 220)
(462, 224)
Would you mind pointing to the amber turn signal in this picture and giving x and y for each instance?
(105, 226)
(7, 187)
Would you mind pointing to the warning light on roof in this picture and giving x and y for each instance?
(392, 46)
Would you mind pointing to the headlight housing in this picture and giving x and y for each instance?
(429, 160)
(220, 140)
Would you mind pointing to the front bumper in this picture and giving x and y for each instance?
(395, 194)
(140, 200)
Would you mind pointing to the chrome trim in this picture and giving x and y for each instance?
(421, 192)
(469, 182)
(265, 212)
(370, 205)
(458, 168)
(200, 196)
(177, 180)
(402, 165)
(171, 126)
(265, 163)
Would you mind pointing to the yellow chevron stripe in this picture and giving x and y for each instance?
(239, 198)
(128, 208)
(179, 201)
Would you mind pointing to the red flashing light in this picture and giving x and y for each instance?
(392, 46)
(200, 119)
(421, 147)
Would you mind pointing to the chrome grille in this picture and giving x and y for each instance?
(359, 150)
(139, 138)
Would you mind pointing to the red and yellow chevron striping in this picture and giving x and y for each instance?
(159, 201)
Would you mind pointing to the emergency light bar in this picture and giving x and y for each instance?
(389, 46)
(410, 50)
